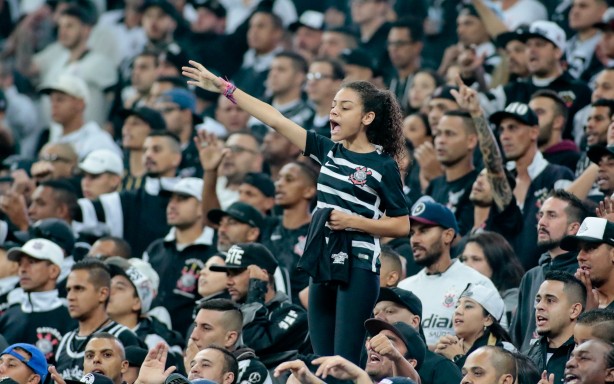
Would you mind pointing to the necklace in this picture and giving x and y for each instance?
(83, 343)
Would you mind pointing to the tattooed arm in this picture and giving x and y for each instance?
(502, 193)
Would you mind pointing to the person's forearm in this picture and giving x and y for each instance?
(402, 367)
(272, 117)
(386, 226)
(584, 183)
(494, 26)
(493, 162)
(209, 195)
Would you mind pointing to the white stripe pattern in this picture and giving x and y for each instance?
(114, 214)
(339, 161)
(350, 198)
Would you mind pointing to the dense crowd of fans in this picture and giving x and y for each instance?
(416, 191)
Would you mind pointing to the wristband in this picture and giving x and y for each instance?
(229, 89)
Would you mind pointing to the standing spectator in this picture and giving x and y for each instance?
(264, 37)
(258, 190)
(560, 215)
(581, 49)
(42, 318)
(518, 133)
(142, 77)
(515, 53)
(103, 171)
(138, 124)
(9, 277)
(55, 161)
(404, 49)
(560, 300)
(590, 362)
(240, 223)
(552, 116)
(88, 288)
(602, 156)
(182, 253)
(455, 143)
(593, 244)
(69, 98)
(433, 228)
(307, 32)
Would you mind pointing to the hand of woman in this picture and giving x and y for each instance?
(202, 78)
(450, 346)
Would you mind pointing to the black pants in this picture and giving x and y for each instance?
(337, 314)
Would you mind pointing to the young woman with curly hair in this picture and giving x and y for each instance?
(360, 181)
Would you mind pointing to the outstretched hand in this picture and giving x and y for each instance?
(339, 368)
(299, 372)
(211, 151)
(605, 210)
(202, 78)
(467, 98)
(152, 371)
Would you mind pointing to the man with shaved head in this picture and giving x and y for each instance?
(105, 354)
(489, 365)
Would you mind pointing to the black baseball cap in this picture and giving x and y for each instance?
(92, 378)
(416, 348)
(505, 38)
(358, 57)
(596, 152)
(239, 210)
(148, 115)
(518, 111)
(402, 297)
(55, 230)
(262, 182)
(135, 355)
(212, 5)
(165, 5)
(242, 255)
(444, 92)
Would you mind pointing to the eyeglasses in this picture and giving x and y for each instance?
(52, 158)
(398, 43)
(238, 149)
(318, 76)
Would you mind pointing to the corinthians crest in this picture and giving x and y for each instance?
(360, 176)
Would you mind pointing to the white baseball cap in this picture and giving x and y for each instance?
(592, 230)
(546, 30)
(102, 160)
(69, 84)
(190, 186)
(487, 297)
(142, 276)
(41, 249)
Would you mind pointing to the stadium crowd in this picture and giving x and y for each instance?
(428, 198)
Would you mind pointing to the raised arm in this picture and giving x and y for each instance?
(467, 98)
(204, 79)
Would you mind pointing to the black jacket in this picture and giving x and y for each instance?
(522, 328)
(251, 369)
(436, 369)
(275, 330)
(326, 261)
(556, 363)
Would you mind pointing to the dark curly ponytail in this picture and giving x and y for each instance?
(386, 129)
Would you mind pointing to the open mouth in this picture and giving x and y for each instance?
(569, 378)
(99, 371)
(540, 320)
(374, 358)
(334, 127)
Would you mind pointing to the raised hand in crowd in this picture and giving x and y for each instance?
(299, 372)
(467, 98)
(592, 296)
(450, 346)
(152, 371)
(382, 345)
(605, 209)
(430, 167)
(211, 150)
(546, 378)
(55, 376)
(341, 369)
(14, 207)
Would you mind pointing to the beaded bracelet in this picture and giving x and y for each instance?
(229, 89)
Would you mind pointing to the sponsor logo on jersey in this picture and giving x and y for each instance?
(359, 177)
(448, 300)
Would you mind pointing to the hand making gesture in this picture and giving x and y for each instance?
(467, 98)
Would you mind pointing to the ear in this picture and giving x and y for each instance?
(447, 236)
(55, 271)
(309, 192)
(253, 234)
(558, 123)
(507, 379)
(136, 305)
(472, 141)
(269, 203)
(103, 294)
(63, 211)
(576, 310)
(176, 159)
(368, 118)
(415, 321)
(534, 132)
(228, 378)
(609, 375)
(124, 366)
(34, 379)
(231, 339)
(573, 228)
(412, 362)
(392, 279)
(116, 180)
(488, 321)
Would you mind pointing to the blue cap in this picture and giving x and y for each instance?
(36, 362)
(432, 213)
(182, 97)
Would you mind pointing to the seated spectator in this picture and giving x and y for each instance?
(273, 326)
(323, 80)
(105, 355)
(423, 85)
(23, 363)
(307, 34)
(278, 151)
(231, 116)
(391, 271)
(42, 318)
(476, 323)
(103, 171)
(490, 364)
(69, 98)
(491, 255)
(358, 65)
(240, 223)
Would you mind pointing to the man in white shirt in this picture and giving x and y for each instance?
(439, 284)
(69, 98)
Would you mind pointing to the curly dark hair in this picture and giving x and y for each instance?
(386, 129)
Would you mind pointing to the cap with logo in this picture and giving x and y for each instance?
(520, 112)
(402, 297)
(69, 84)
(487, 297)
(607, 21)
(397, 380)
(141, 275)
(56, 230)
(242, 255)
(190, 186)
(262, 182)
(592, 230)
(503, 39)
(416, 348)
(40, 249)
(546, 30)
(432, 213)
(444, 92)
(165, 5)
(102, 160)
(153, 118)
(36, 361)
(240, 211)
(212, 5)
(91, 378)
(596, 152)
(309, 19)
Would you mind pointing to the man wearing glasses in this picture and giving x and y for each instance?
(323, 81)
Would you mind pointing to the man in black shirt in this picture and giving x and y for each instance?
(455, 142)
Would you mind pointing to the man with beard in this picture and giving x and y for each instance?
(551, 114)
(560, 215)
(516, 53)
(594, 243)
(440, 283)
(604, 157)
(455, 141)
(139, 216)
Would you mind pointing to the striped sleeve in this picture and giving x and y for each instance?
(393, 199)
(317, 147)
